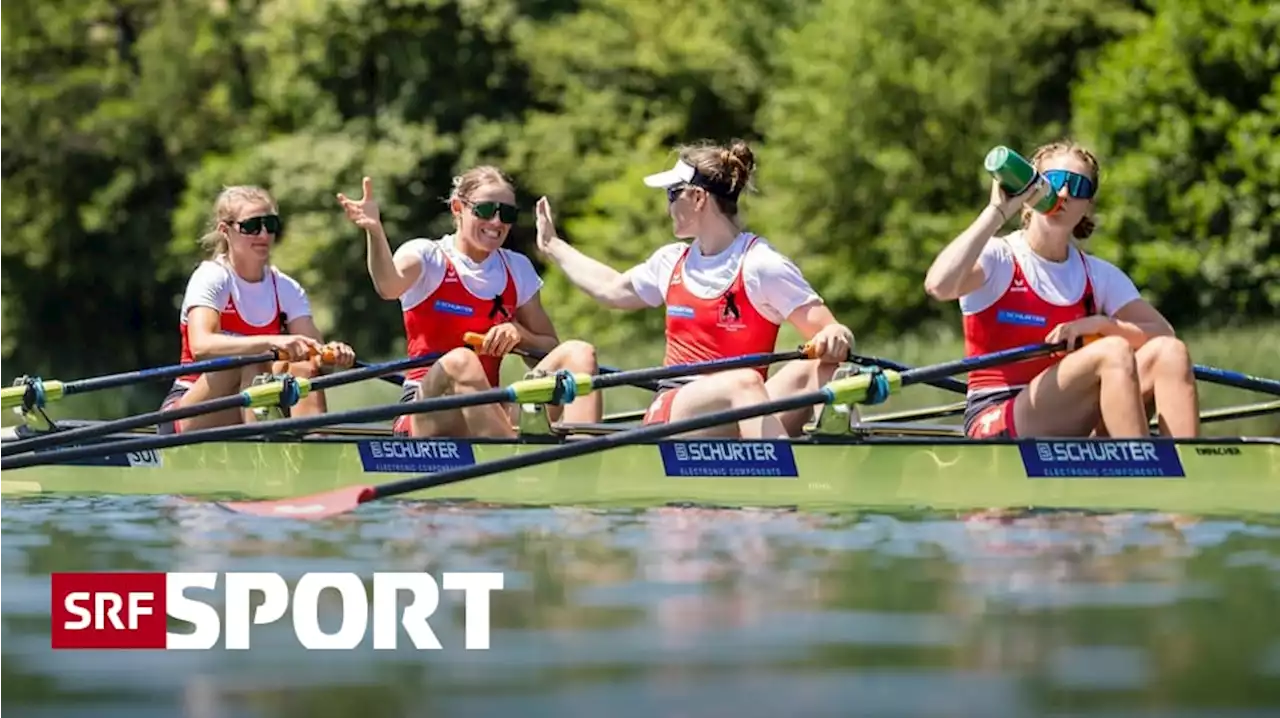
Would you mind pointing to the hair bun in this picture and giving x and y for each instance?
(741, 163)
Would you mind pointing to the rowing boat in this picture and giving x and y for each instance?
(873, 466)
(841, 461)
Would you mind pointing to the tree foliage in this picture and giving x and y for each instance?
(121, 120)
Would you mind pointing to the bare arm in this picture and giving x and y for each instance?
(603, 283)
(391, 276)
(956, 272)
(206, 340)
(1138, 322)
(813, 318)
(537, 333)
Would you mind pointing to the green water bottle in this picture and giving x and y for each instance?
(1015, 175)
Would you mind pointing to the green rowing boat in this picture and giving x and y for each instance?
(899, 468)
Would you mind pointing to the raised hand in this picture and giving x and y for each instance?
(1009, 205)
(546, 225)
(363, 213)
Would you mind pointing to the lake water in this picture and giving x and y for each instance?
(684, 612)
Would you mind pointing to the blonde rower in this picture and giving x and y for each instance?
(468, 282)
(238, 303)
(1036, 285)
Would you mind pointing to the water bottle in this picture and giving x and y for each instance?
(1015, 175)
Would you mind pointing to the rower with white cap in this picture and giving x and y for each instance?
(727, 293)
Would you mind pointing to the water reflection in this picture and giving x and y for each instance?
(686, 612)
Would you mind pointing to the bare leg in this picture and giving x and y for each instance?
(578, 357)
(798, 377)
(217, 385)
(459, 372)
(1097, 382)
(728, 390)
(1166, 376)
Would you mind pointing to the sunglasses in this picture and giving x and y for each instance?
(506, 213)
(253, 225)
(1078, 185)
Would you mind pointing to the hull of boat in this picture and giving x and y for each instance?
(1204, 477)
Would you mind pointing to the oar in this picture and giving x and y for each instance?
(35, 392)
(1212, 375)
(948, 383)
(474, 341)
(276, 392)
(1225, 377)
(855, 389)
(563, 386)
(396, 379)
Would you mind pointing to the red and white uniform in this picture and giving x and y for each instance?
(248, 308)
(725, 305)
(1023, 298)
(455, 295)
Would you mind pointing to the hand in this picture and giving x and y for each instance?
(546, 225)
(343, 355)
(500, 340)
(365, 213)
(295, 347)
(832, 343)
(1084, 327)
(1008, 205)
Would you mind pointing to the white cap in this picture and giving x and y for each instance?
(681, 173)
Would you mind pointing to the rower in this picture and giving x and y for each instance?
(1037, 285)
(467, 282)
(727, 293)
(237, 303)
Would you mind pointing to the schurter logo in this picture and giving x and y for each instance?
(1217, 451)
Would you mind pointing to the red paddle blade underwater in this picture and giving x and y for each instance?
(315, 506)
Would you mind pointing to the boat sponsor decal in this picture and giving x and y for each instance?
(678, 310)
(133, 459)
(712, 458)
(414, 456)
(460, 310)
(1004, 316)
(1101, 458)
(1218, 451)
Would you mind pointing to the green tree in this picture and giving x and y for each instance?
(1186, 117)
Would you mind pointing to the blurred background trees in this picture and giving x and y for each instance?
(122, 119)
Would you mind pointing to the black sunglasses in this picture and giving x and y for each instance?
(507, 213)
(253, 225)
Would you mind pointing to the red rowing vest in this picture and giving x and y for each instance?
(1019, 317)
(439, 322)
(232, 323)
(721, 327)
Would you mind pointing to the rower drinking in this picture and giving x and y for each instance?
(467, 282)
(237, 303)
(727, 293)
(1036, 285)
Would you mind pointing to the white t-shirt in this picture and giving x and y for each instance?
(214, 282)
(1059, 283)
(486, 280)
(775, 286)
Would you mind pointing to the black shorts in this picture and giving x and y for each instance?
(990, 415)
